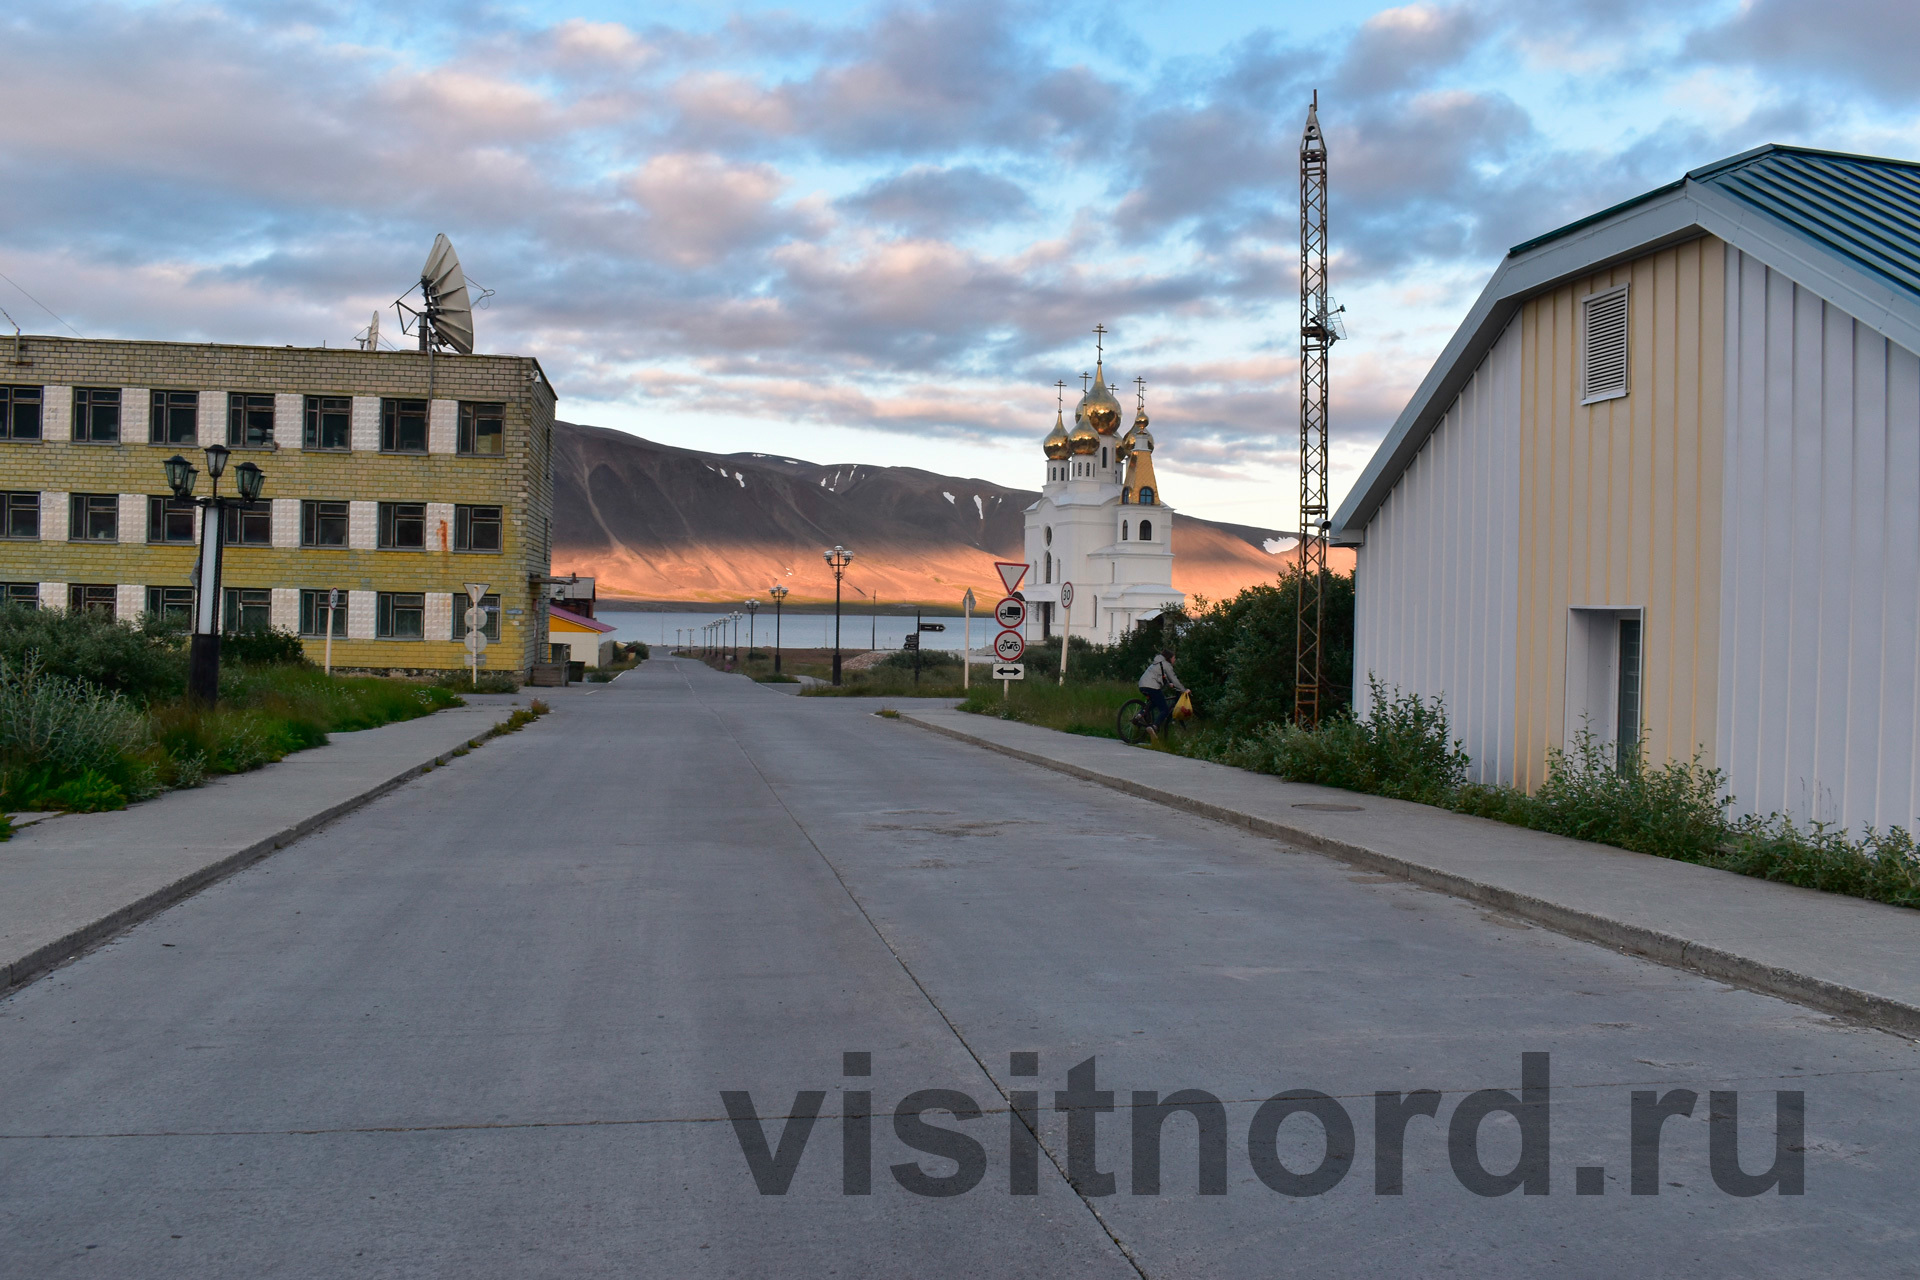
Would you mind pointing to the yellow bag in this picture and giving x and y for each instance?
(1183, 709)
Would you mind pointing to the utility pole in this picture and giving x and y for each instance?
(1318, 332)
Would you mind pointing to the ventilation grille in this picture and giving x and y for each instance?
(1604, 361)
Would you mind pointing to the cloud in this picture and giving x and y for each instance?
(1853, 43)
(927, 200)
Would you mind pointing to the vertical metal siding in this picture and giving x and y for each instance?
(1436, 579)
(1820, 657)
(1620, 501)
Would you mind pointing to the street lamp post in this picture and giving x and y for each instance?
(734, 618)
(779, 593)
(753, 611)
(837, 560)
(203, 670)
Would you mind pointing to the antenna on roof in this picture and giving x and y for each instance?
(444, 317)
(369, 337)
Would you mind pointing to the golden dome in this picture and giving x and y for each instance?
(1124, 448)
(1083, 439)
(1056, 442)
(1141, 437)
(1098, 406)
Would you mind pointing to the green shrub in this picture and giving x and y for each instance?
(1403, 748)
(262, 647)
(91, 792)
(488, 682)
(63, 723)
(145, 663)
(930, 660)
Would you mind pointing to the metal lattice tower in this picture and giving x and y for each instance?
(1317, 336)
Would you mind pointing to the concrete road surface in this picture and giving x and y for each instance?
(546, 1012)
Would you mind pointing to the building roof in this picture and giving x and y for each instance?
(1844, 227)
(571, 621)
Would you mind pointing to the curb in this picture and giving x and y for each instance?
(49, 956)
(1663, 948)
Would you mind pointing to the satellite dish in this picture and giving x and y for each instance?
(445, 314)
(369, 338)
(448, 313)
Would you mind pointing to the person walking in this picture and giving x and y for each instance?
(1155, 682)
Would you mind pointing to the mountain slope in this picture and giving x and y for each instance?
(656, 522)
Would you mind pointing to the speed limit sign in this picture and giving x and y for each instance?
(1066, 595)
(1008, 646)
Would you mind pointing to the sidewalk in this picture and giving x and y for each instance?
(1838, 954)
(70, 881)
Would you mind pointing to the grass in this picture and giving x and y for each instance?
(1090, 708)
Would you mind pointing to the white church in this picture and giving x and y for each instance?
(1100, 524)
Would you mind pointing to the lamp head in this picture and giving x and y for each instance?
(217, 459)
(250, 478)
(180, 476)
(777, 591)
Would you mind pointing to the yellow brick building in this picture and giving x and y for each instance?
(393, 477)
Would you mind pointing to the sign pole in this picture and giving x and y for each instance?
(966, 643)
(1066, 627)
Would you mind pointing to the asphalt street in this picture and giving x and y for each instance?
(493, 1025)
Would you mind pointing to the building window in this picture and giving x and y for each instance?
(246, 609)
(1047, 557)
(491, 603)
(323, 524)
(403, 526)
(1146, 495)
(476, 528)
(19, 413)
(483, 429)
(24, 594)
(1627, 715)
(313, 614)
(1603, 346)
(20, 515)
(169, 520)
(171, 604)
(1047, 532)
(247, 524)
(1146, 531)
(402, 615)
(174, 418)
(96, 415)
(403, 426)
(93, 517)
(91, 597)
(249, 420)
(329, 423)
(1103, 455)
(1123, 531)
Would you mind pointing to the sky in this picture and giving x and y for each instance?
(882, 233)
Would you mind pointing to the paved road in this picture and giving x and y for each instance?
(483, 1028)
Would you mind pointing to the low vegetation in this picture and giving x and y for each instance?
(93, 713)
(1084, 706)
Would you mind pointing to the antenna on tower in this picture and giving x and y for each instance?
(1319, 330)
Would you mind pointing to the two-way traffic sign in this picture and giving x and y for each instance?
(1009, 671)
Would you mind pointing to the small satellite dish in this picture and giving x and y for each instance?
(445, 314)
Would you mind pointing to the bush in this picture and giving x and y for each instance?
(262, 648)
(65, 744)
(145, 663)
(931, 660)
(488, 682)
(1403, 749)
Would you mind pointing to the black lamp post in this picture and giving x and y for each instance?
(837, 560)
(203, 670)
(779, 593)
(753, 612)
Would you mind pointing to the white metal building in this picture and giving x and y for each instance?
(1665, 482)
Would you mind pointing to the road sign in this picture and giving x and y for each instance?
(476, 618)
(1011, 574)
(911, 642)
(933, 626)
(476, 591)
(966, 601)
(476, 641)
(1009, 646)
(1066, 595)
(1009, 671)
(1011, 612)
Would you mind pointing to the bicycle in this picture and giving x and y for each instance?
(1134, 723)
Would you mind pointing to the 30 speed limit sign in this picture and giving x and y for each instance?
(1008, 646)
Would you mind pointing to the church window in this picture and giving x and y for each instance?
(1049, 532)
(1049, 566)
(1146, 531)
(1146, 494)
(1103, 455)
(1123, 531)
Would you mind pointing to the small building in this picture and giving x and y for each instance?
(1100, 523)
(392, 477)
(1664, 483)
(582, 638)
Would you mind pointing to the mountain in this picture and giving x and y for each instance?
(655, 522)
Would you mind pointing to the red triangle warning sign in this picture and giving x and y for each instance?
(1011, 574)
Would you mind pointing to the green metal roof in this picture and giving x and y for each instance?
(1863, 208)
